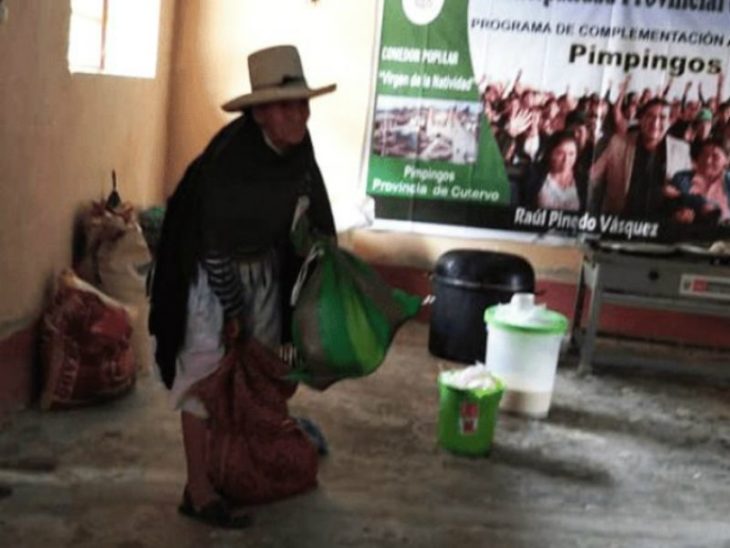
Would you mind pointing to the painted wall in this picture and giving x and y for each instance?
(60, 137)
(336, 41)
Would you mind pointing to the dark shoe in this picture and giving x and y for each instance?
(215, 513)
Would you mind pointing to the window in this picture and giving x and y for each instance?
(114, 37)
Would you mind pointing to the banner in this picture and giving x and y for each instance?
(602, 117)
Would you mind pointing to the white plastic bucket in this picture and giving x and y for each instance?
(523, 347)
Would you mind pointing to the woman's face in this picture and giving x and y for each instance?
(653, 125)
(711, 162)
(491, 94)
(283, 122)
(581, 134)
(563, 156)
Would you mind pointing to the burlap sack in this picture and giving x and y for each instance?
(116, 261)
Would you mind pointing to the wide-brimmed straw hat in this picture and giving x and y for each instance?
(276, 75)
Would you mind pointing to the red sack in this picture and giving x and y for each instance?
(256, 451)
(85, 347)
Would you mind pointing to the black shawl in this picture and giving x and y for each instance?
(237, 197)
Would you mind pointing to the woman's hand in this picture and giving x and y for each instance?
(671, 191)
(519, 122)
(699, 185)
(709, 208)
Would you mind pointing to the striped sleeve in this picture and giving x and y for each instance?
(225, 282)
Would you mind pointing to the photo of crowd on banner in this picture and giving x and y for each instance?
(641, 154)
(426, 129)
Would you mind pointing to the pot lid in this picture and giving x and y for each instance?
(486, 267)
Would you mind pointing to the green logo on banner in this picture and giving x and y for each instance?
(430, 139)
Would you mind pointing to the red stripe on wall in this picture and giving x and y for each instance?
(19, 374)
(18, 370)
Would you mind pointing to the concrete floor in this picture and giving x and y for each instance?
(622, 460)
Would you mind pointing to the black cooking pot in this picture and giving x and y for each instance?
(465, 282)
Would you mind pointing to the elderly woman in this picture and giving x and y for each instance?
(225, 263)
(554, 184)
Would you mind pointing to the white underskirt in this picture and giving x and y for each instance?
(203, 347)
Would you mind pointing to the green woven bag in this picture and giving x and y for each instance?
(345, 317)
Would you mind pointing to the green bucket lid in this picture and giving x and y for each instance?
(522, 315)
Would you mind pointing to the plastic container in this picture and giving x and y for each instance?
(465, 282)
(467, 417)
(523, 350)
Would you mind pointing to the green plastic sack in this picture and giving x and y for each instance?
(345, 317)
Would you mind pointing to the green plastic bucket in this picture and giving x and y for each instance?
(467, 418)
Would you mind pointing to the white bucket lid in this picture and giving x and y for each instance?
(522, 314)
